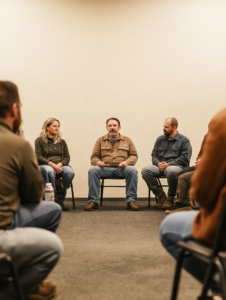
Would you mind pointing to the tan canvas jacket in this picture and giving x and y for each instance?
(112, 155)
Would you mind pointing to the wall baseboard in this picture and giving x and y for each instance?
(84, 199)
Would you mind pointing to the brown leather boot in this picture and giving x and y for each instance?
(92, 205)
(167, 204)
(161, 199)
(132, 206)
(45, 291)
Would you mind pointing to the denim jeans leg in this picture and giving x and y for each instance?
(94, 175)
(178, 227)
(46, 215)
(44, 175)
(50, 173)
(171, 174)
(149, 174)
(34, 252)
(67, 177)
(130, 173)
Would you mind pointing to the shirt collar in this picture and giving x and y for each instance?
(121, 137)
(176, 137)
(5, 125)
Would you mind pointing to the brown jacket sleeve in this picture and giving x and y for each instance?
(202, 146)
(209, 178)
(96, 152)
(133, 156)
(30, 178)
(66, 158)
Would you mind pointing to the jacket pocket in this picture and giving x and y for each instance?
(175, 151)
(162, 151)
(105, 151)
(123, 152)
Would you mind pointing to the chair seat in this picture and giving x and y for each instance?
(112, 178)
(197, 248)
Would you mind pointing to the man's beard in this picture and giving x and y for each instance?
(17, 122)
(168, 133)
(113, 133)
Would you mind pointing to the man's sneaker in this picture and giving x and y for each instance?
(45, 291)
(178, 206)
(63, 207)
(167, 204)
(132, 205)
(92, 205)
(160, 200)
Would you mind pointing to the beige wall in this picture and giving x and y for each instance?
(141, 61)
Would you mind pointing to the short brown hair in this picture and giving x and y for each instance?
(113, 119)
(8, 96)
(173, 121)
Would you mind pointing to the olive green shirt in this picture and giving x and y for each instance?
(21, 180)
(56, 153)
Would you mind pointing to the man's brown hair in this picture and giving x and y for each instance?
(173, 121)
(8, 96)
(113, 119)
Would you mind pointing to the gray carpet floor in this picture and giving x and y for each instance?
(113, 253)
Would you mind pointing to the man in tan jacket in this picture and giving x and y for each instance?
(114, 155)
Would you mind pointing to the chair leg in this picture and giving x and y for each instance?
(222, 276)
(16, 280)
(101, 192)
(177, 274)
(149, 198)
(207, 280)
(72, 193)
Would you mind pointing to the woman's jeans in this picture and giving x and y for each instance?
(177, 227)
(67, 176)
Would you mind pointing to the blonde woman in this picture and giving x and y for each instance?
(53, 156)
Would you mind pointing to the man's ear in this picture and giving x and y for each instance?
(14, 111)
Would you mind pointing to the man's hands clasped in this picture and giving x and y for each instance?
(162, 166)
(122, 165)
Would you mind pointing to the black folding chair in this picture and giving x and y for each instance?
(8, 275)
(72, 192)
(149, 192)
(215, 257)
(102, 186)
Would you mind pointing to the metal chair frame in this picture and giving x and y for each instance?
(102, 186)
(72, 193)
(11, 275)
(149, 191)
(213, 254)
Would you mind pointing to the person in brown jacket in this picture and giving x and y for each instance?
(114, 155)
(27, 224)
(208, 187)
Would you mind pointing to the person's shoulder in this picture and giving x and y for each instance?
(126, 138)
(183, 137)
(39, 140)
(161, 137)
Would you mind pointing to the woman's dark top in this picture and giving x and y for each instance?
(50, 152)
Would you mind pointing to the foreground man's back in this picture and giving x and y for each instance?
(24, 218)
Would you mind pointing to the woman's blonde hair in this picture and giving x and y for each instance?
(44, 132)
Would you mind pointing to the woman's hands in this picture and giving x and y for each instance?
(57, 167)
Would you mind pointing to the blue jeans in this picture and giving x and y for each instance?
(67, 177)
(178, 227)
(149, 174)
(44, 175)
(46, 215)
(34, 253)
(129, 173)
